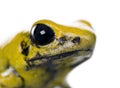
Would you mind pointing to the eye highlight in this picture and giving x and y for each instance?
(42, 34)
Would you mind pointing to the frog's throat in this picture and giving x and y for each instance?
(40, 60)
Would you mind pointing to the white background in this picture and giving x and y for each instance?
(103, 69)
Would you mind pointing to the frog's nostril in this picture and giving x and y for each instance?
(62, 40)
(76, 40)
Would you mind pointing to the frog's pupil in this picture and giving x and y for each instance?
(42, 34)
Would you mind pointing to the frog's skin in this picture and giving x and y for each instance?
(25, 63)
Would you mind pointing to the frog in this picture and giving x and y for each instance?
(45, 55)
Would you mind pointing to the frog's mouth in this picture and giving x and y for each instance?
(41, 60)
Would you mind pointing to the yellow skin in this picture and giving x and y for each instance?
(24, 64)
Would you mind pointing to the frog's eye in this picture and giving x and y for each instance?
(42, 34)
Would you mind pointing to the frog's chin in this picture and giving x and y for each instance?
(38, 61)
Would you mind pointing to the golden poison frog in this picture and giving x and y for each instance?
(44, 56)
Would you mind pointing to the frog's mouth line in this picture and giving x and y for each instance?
(40, 60)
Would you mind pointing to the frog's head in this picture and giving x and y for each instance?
(51, 43)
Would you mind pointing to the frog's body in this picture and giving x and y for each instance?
(28, 63)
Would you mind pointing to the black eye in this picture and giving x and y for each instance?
(42, 34)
